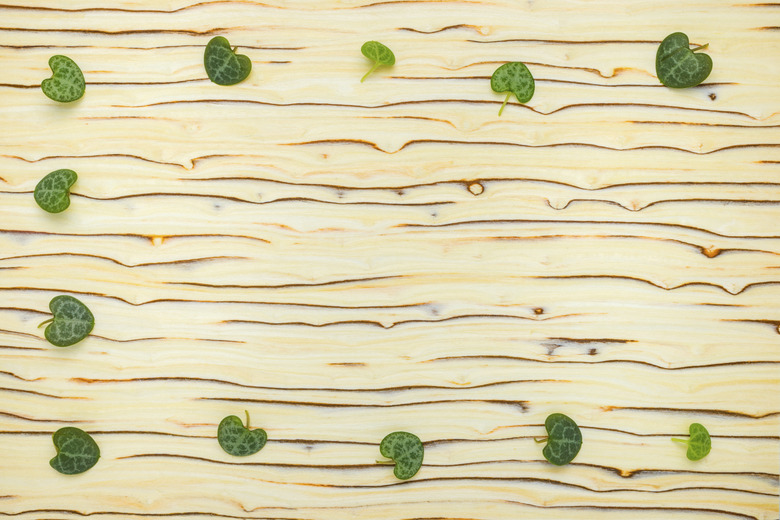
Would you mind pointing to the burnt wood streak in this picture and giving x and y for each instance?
(342, 260)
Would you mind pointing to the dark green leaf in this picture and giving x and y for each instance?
(52, 193)
(406, 450)
(237, 439)
(379, 54)
(223, 65)
(699, 442)
(67, 82)
(678, 66)
(76, 451)
(564, 439)
(514, 78)
(71, 323)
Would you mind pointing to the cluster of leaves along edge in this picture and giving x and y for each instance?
(677, 66)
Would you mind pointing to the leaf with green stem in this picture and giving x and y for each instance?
(379, 54)
(77, 451)
(67, 81)
(513, 78)
(71, 323)
(699, 442)
(52, 193)
(223, 65)
(678, 66)
(406, 450)
(564, 439)
(237, 439)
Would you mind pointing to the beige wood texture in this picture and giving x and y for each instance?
(344, 260)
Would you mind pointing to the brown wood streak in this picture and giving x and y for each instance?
(654, 284)
(209, 32)
(724, 202)
(40, 394)
(521, 359)
(35, 419)
(435, 101)
(415, 142)
(289, 285)
(130, 11)
(394, 324)
(245, 201)
(522, 405)
(692, 411)
(591, 222)
(117, 262)
(132, 235)
(387, 389)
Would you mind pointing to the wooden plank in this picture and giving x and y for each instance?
(346, 259)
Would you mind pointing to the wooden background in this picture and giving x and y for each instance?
(344, 260)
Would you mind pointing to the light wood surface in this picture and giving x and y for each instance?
(347, 259)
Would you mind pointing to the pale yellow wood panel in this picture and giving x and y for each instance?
(346, 259)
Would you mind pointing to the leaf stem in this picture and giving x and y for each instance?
(505, 102)
(700, 47)
(372, 69)
(45, 322)
(247, 418)
(540, 440)
(681, 441)
(385, 461)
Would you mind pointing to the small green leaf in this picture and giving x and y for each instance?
(237, 439)
(513, 78)
(677, 65)
(699, 442)
(564, 439)
(67, 81)
(223, 65)
(379, 54)
(406, 450)
(52, 193)
(71, 323)
(76, 451)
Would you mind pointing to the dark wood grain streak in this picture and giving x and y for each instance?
(521, 405)
(131, 11)
(693, 411)
(35, 419)
(386, 389)
(307, 200)
(437, 101)
(40, 394)
(393, 324)
(476, 222)
(520, 359)
(658, 285)
(417, 142)
(185, 261)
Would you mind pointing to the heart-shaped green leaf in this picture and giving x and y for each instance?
(564, 439)
(514, 78)
(223, 65)
(67, 82)
(237, 439)
(76, 451)
(52, 193)
(699, 442)
(406, 450)
(378, 53)
(677, 65)
(71, 323)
